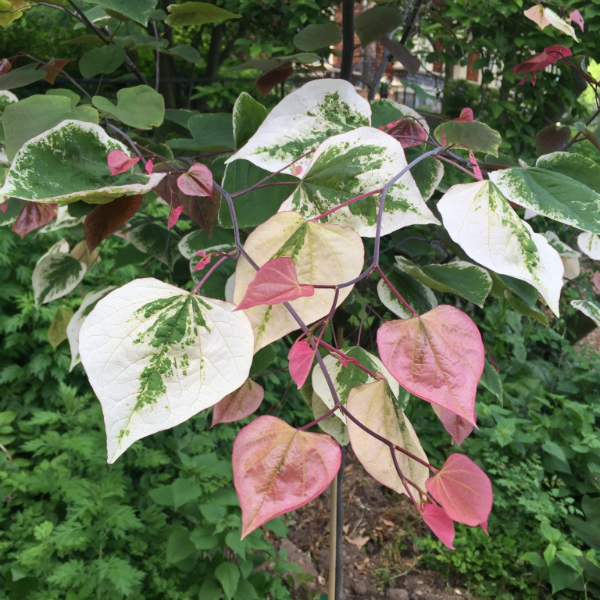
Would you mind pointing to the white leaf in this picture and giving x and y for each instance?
(479, 218)
(354, 163)
(589, 244)
(554, 20)
(302, 120)
(157, 355)
(323, 254)
(56, 275)
(77, 320)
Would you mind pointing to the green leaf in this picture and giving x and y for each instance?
(179, 546)
(210, 131)
(549, 553)
(136, 10)
(21, 77)
(234, 541)
(105, 60)
(459, 277)
(228, 576)
(419, 297)
(30, 117)
(245, 591)
(57, 332)
(551, 534)
(198, 240)
(6, 98)
(386, 111)
(213, 513)
(527, 311)
(13, 207)
(554, 449)
(140, 107)
(248, 114)
(56, 275)
(317, 36)
(427, 174)
(70, 94)
(562, 576)
(503, 283)
(152, 239)
(68, 163)
(277, 526)
(591, 507)
(477, 136)
(204, 538)
(257, 206)
(491, 381)
(186, 52)
(568, 559)
(563, 187)
(185, 489)
(209, 591)
(372, 23)
(349, 165)
(197, 13)
(589, 308)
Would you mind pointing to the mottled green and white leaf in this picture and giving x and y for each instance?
(562, 186)
(157, 355)
(154, 240)
(352, 164)
(386, 111)
(56, 275)
(302, 120)
(64, 220)
(462, 278)
(6, 98)
(323, 254)
(68, 163)
(428, 173)
(198, 240)
(589, 308)
(418, 296)
(479, 218)
(248, 115)
(74, 326)
(589, 244)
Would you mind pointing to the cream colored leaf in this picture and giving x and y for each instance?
(589, 244)
(323, 254)
(157, 355)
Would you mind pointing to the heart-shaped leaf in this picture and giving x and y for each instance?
(239, 404)
(300, 357)
(475, 135)
(32, 217)
(198, 181)
(139, 106)
(277, 469)
(374, 405)
(157, 355)
(438, 357)
(119, 162)
(274, 283)
(479, 218)
(463, 490)
(323, 254)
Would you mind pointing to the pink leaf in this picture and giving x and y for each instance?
(466, 116)
(458, 428)
(539, 62)
(204, 260)
(277, 469)
(198, 181)
(536, 14)
(301, 357)
(476, 169)
(463, 490)
(239, 404)
(149, 166)
(577, 18)
(407, 131)
(437, 356)
(597, 281)
(3, 207)
(275, 282)
(296, 170)
(174, 215)
(33, 216)
(119, 162)
(440, 523)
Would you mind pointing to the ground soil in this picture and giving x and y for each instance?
(380, 559)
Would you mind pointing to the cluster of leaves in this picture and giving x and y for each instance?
(319, 181)
(163, 523)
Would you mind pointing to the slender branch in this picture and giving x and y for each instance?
(128, 139)
(210, 271)
(157, 38)
(396, 293)
(325, 214)
(576, 137)
(321, 418)
(348, 358)
(264, 185)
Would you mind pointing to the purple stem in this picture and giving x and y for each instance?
(210, 271)
(325, 214)
(395, 291)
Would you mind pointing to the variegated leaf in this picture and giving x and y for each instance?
(157, 355)
(68, 163)
(589, 308)
(323, 254)
(74, 326)
(479, 218)
(418, 296)
(562, 186)
(56, 275)
(352, 164)
(589, 244)
(302, 120)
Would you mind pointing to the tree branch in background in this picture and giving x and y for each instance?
(347, 39)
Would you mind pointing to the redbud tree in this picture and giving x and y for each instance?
(304, 186)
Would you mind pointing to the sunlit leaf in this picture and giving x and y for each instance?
(476, 136)
(438, 357)
(479, 218)
(323, 254)
(157, 355)
(139, 106)
(277, 469)
(374, 405)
